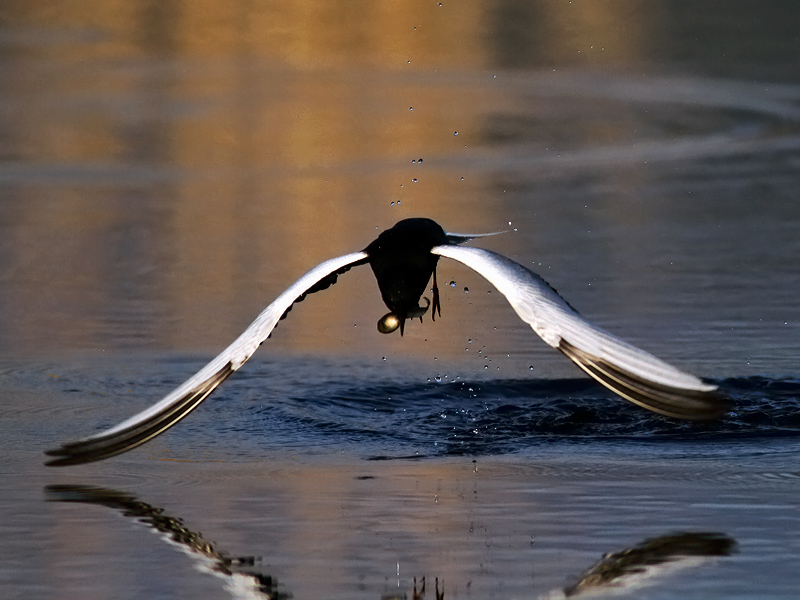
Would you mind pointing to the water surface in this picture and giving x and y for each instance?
(167, 170)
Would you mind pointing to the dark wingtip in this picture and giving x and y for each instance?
(675, 402)
(105, 446)
(68, 461)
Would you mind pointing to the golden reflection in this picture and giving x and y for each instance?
(198, 157)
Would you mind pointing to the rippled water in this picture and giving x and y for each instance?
(165, 172)
(301, 477)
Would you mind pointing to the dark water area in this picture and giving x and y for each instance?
(167, 170)
(429, 419)
(388, 413)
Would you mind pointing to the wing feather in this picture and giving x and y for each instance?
(632, 373)
(181, 401)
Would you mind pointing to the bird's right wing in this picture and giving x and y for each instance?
(630, 372)
(178, 403)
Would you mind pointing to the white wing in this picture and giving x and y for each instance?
(176, 405)
(630, 372)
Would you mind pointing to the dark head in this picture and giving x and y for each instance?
(403, 264)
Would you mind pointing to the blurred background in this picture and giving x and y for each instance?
(168, 168)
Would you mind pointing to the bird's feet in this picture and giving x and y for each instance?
(437, 307)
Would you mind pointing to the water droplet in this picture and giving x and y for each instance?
(452, 284)
(438, 379)
(456, 133)
(462, 179)
(414, 180)
(485, 366)
(410, 107)
(413, 162)
(398, 202)
(466, 290)
(393, 202)
(384, 358)
(469, 341)
(531, 367)
(420, 160)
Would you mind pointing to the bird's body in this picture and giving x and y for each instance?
(402, 262)
(403, 259)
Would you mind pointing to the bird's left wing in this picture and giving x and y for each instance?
(177, 404)
(630, 372)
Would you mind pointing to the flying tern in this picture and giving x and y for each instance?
(403, 260)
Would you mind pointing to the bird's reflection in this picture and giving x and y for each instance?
(239, 573)
(617, 572)
(241, 578)
(644, 563)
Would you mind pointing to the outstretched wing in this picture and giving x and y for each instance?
(630, 372)
(180, 402)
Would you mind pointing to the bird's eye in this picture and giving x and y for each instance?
(388, 323)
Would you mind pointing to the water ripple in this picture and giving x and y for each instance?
(505, 416)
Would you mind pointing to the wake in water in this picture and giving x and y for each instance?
(507, 416)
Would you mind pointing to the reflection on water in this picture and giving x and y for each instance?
(626, 570)
(241, 580)
(238, 572)
(645, 562)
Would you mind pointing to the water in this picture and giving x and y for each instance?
(297, 478)
(165, 173)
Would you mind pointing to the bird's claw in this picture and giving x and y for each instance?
(437, 307)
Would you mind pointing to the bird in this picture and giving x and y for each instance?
(404, 260)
